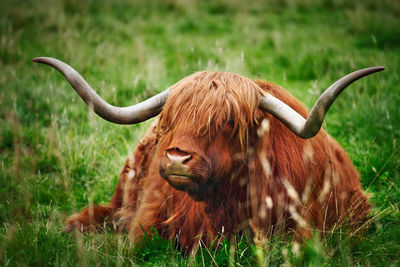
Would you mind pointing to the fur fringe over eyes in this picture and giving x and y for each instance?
(215, 99)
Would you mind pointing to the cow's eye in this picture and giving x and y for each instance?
(231, 122)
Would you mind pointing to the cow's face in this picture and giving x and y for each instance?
(205, 129)
(194, 163)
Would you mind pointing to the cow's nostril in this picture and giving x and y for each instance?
(179, 158)
(187, 160)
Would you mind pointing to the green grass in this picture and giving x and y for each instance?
(56, 157)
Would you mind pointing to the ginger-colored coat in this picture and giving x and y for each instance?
(249, 171)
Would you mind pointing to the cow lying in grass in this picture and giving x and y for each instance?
(226, 154)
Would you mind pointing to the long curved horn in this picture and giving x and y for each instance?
(310, 127)
(120, 115)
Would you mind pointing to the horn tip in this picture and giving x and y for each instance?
(38, 59)
(371, 70)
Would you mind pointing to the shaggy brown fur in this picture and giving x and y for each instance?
(248, 170)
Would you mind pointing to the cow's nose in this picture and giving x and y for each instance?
(177, 156)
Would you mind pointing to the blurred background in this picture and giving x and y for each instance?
(56, 157)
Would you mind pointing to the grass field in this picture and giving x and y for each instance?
(56, 157)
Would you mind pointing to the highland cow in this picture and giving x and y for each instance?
(226, 155)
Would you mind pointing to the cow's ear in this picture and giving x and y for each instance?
(263, 126)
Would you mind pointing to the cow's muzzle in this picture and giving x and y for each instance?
(181, 169)
(175, 166)
(177, 163)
